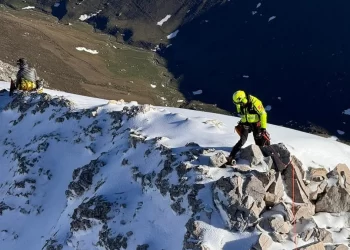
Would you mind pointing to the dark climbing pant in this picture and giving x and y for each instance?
(244, 129)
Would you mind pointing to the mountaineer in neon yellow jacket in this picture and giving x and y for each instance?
(253, 119)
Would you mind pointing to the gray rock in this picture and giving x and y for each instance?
(280, 155)
(324, 235)
(335, 200)
(241, 200)
(217, 160)
(301, 191)
(263, 243)
(278, 225)
(108, 241)
(4, 207)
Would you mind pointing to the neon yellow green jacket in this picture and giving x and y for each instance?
(253, 112)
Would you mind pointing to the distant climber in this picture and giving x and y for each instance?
(253, 119)
(26, 79)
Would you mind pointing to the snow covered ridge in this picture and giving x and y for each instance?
(114, 175)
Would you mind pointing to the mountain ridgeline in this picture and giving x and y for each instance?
(293, 55)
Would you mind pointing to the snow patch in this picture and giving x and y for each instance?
(163, 98)
(56, 5)
(271, 18)
(153, 86)
(28, 8)
(346, 112)
(180, 100)
(259, 4)
(268, 107)
(172, 35)
(87, 50)
(340, 132)
(245, 76)
(254, 12)
(85, 17)
(197, 92)
(161, 22)
(279, 98)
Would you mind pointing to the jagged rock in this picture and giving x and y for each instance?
(342, 174)
(301, 191)
(82, 178)
(278, 237)
(135, 138)
(255, 157)
(52, 244)
(107, 241)
(305, 211)
(96, 208)
(217, 160)
(280, 155)
(312, 246)
(335, 200)
(278, 225)
(195, 203)
(193, 235)
(239, 200)
(323, 235)
(275, 191)
(183, 169)
(263, 243)
(317, 188)
(317, 174)
(285, 210)
(306, 235)
(3, 207)
(142, 247)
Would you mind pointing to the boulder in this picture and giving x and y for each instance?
(239, 200)
(280, 155)
(217, 160)
(317, 188)
(342, 174)
(263, 243)
(317, 174)
(324, 235)
(335, 200)
(305, 211)
(301, 191)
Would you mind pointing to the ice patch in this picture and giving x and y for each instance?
(161, 22)
(156, 48)
(28, 8)
(172, 35)
(254, 12)
(340, 132)
(153, 86)
(163, 98)
(86, 17)
(346, 112)
(268, 107)
(259, 4)
(279, 98)
(180, 100)
(245, 76)
(198, 92)
(87, 50)
(271, 18)
(56, 5)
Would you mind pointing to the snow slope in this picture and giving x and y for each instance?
(95, 174)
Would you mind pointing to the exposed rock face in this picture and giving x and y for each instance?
(280, 155)
(86, 214)
(301, 191)
(82, 178)
(335, 198)
(240, 200)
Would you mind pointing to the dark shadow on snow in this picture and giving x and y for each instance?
(298, 63)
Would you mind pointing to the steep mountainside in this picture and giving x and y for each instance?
(293, 55)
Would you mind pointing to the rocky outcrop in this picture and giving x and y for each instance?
(240, 200)
(336, 198)
(82, 178)
(312, 246)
